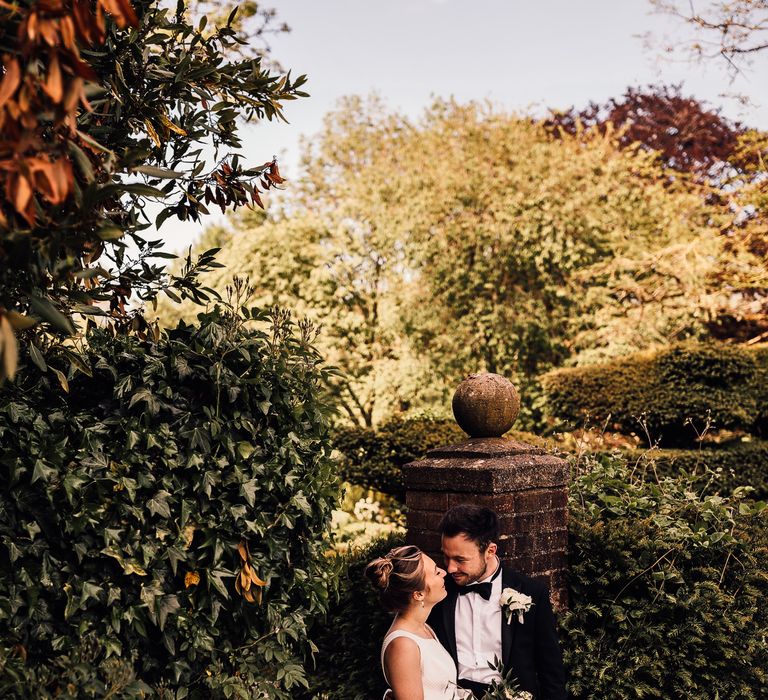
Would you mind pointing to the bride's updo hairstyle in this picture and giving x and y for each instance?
(397, 576)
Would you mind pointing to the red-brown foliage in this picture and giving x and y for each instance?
(688, 135)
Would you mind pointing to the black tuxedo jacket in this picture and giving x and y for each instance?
(530, 650)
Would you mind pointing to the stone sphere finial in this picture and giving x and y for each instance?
(486, 405)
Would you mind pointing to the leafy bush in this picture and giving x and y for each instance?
(133, 502)
(347, 662)
(667, 591)
(667, 396)
(374, 457)
(717, 468)
(761, 385)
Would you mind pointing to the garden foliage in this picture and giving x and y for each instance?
(667, 590)
(105, 106)
(374, 458)
(133, 502)
(670, 396)
(504, 250)
(716, 468)
(347, 663)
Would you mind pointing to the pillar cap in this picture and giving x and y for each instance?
(486, 405)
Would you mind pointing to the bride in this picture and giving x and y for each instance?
(415, 664)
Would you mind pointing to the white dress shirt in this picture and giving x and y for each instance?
(478, 632)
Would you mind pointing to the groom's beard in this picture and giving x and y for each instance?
(465, 579)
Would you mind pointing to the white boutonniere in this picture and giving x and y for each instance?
(513, 601)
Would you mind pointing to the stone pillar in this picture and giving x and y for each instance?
(526, 486)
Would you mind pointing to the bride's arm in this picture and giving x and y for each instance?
(402, 660)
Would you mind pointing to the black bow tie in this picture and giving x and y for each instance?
(483, 589)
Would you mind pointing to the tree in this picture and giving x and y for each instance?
(331, 256)
(729, 160)
(339, 275)
(472, 240)
(688, 135)
(101, 113)
(733, 30)
(534, 251)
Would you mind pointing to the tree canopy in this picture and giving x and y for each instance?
(471, 239)
(105, 107)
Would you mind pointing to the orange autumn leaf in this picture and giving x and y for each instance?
(54, 86)
(256, 580)
(192, 578)
(49, 30)
(11, 79)
(242, 550)
(273, 174)
(122, 11)
(67, 27)
(19, 191)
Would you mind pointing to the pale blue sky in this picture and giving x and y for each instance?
(524, 56)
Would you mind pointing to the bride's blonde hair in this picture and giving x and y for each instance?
(397, 576)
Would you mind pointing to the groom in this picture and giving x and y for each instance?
(470, 622)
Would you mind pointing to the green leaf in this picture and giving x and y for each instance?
(154, 171)
(82, 161)
(143, 190)
(158, 504)
(110, 233)
(41, 471)
(166, 605)
(62, 379)
(48, 312)
(37, 357)
(249, 489)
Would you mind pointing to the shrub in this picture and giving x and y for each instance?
(665, 395)
(374, 457)
(667, 590)
(716, 469)
(132, 502)
(347, 663)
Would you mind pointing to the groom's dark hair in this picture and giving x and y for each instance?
(476, 523)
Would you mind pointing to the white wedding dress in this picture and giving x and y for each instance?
(438, 672)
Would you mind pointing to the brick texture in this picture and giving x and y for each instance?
(527, 490)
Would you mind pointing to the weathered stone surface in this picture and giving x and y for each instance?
(486, 448)
(486, 475)
(486, 405)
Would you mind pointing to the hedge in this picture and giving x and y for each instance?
(718, 468)
(667, 591)
(132, 503)
(374, 458)
(667, 597)
(658, 395)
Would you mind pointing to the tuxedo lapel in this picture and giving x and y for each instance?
(507, 630)
(449, 622)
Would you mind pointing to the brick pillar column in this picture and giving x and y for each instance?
(524, 485)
